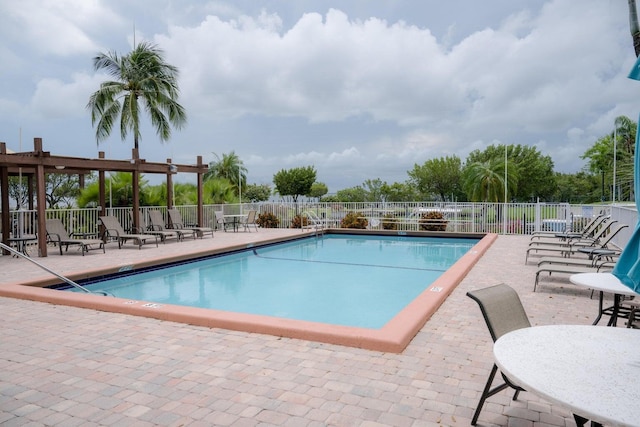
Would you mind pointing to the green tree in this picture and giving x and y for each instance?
(229, 167)
(18, 190)
(61, 188)
(318, 189)
(399, 192)
(353, 194)
(219, 191)
(257, 193)
(295, 182)
(119, 192)
(485, 181)
(140, 77)
(578, 188)
(441, 177)
(536, 178)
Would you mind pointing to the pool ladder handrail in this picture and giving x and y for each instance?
(315, 221)
(48, 270)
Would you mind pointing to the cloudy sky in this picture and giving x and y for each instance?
(359, 89)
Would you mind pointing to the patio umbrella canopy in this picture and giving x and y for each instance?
(627, 269)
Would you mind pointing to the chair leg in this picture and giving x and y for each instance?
(488, 392)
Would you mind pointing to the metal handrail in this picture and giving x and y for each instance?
(48, 270)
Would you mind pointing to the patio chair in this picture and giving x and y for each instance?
(219, 220)
(144, 229)
(157, 224)
(503, 312)
(175, 218)
(599, 241)
(114, 230)
(57, 234)
(249, 220)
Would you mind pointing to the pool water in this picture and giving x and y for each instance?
(350, 280)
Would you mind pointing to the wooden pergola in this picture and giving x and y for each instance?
(35, 164)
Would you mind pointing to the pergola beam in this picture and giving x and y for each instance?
(37, 163)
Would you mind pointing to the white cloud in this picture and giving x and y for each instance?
(358, 95)
(60, 27)
(56, 99)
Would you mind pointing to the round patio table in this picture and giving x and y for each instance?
(594, 371)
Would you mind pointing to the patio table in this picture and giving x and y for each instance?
(22, 241)
(604, 282)
(594, 371)
(234, 220)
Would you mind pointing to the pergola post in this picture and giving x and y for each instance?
(41, 200)
(102, 198)
(200, 193)
(4, 204)
(136, 190)
(169, 185)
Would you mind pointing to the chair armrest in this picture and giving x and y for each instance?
(53, 237)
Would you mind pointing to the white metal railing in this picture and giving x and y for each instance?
(511, 218)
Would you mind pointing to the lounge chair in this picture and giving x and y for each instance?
(586, 232)
(144, 229)
(113, 230)
(177, 223)
(571, 246)
(595, 236)
(57, 234)
(503, 312)
(249, 220)
(157, 224)
(570, 269)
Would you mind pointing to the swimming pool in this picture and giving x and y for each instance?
(394, 336)
(350, 280)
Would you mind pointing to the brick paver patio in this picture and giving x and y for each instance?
(67, 366)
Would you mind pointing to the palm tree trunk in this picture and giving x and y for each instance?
(634, 27)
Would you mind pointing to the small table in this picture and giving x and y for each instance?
(234, 220)
(593, 371)
(604, 282)
(21, 242)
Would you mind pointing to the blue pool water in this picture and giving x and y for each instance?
(351, 280)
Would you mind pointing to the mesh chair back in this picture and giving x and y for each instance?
(501, 308)
(55, 226)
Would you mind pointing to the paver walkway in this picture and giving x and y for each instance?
(67, 366)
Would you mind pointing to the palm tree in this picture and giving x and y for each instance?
(142, 76)
(229, 167)
(484, 181)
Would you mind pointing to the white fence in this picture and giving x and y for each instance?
(510, 218)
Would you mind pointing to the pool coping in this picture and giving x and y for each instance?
(393, 337)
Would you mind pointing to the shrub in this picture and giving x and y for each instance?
(299, 221)
(389, 222)
(351, 220)
(267, 220)
(433, 221)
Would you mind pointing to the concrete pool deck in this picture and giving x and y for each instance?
(63, 365)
